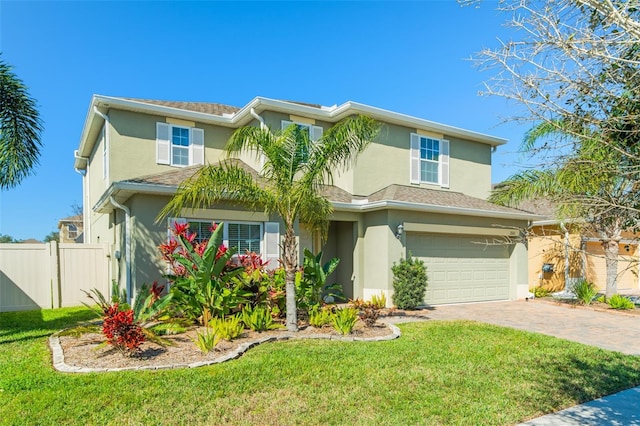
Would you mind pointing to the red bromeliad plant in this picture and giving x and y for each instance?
(202, 277)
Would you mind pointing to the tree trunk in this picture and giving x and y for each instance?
(290, 259)
(611, 249)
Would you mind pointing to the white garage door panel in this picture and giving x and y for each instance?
(460, 270)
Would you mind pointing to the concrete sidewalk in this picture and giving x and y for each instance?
(608, 330)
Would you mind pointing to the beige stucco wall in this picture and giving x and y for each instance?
(133, 136)
(547, 245)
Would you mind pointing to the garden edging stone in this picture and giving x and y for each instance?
(57, 353)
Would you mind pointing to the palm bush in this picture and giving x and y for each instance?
(585, 291)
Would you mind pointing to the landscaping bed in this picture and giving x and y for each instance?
(89, 352)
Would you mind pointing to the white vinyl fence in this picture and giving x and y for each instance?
(51, 275)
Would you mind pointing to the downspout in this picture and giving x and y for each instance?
(86, 228)
(127, 246)
(257, 117)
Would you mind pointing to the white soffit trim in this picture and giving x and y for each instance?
(244, 117)
(429, 208)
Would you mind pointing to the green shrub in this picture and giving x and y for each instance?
(319, 317)
(312, 287)
(344, 320)
(227, 328)
(540, 292)
(618, 301)
(585, 291)
(259, 319)
(409, 283)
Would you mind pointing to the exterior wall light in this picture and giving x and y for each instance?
(399, 231)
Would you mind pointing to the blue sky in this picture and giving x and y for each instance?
(409, 57)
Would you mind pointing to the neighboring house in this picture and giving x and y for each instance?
(427, 180)
(552, 241)
(71, 229)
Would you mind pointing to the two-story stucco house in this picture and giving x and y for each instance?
(420, 188)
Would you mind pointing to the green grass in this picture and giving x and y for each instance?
(436, 373)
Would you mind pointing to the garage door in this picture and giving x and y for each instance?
(461, 270)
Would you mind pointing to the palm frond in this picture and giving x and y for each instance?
(226, 181)
(20, 128)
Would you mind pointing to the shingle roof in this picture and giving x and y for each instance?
(205, 107)
(434, 197)
(401, 193)
(541, 207)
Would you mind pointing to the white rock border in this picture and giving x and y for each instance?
(58, 354)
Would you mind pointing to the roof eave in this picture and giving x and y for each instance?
(430, 208)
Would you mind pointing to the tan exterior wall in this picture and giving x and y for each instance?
(585, 260)
(133, 136)
(596, 269)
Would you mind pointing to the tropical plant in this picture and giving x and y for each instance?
(368, 312)
(344, 319)
(585, 291)
(206, 340)
(122, 331)
(380, 301)
(20, 128)
(618, 301)
(203, 274)
(312, 288)
(228, 328)
(409, 282)
(259, 319)
(295, 167)
(266, 287)
(320, 316)
(578, 184)
(122, 324)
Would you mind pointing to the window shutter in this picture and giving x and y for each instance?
(197, 146)
(272, 244)
(316, 133)
(444, 164)
(163, 145)
(415, 158)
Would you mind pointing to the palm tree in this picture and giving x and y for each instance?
(295, 168)
(596, 182)
(20, 128)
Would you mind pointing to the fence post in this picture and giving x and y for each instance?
(54, 262)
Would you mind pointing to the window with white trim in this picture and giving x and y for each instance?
(313, 132)
(262, 238)
(244, 236)
(72, 231)
(179, 146)
(429, 160)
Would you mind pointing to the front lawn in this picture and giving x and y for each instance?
(436, 373)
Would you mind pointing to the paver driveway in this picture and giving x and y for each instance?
(608, 330)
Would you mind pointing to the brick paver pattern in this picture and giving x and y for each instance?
(615, 331)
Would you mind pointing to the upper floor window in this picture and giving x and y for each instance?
(429, 160)
(72, 231)
(178, 145)
(313, 133)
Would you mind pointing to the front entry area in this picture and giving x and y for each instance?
(461, 268)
